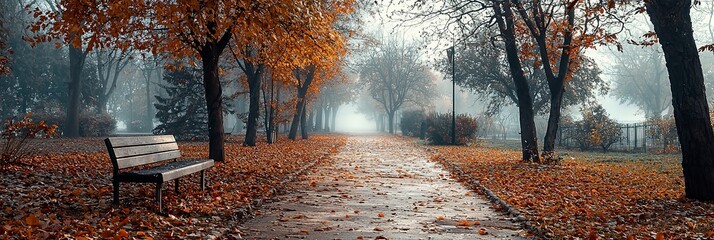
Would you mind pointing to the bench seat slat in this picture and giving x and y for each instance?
(144, 150)
(118, 142)
(146, 159)
(166, 172)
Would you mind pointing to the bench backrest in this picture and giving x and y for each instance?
(127, 152)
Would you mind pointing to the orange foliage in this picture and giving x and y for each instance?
(591, 28)
(16, 133)
(610, 199)
(301, 29)
(68, 195)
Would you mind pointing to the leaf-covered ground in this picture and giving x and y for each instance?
(66, 190)
(611, 196)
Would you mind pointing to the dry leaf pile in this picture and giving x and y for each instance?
(591, 195)
(68, 194)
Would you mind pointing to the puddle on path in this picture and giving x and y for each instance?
(380, 188)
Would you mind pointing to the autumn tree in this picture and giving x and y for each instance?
(192, 28)
(673, 26)
(254, 72)
(395, 75)
(561, 31)
(318, 61)
(297, 35)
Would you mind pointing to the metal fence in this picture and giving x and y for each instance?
(635, 137)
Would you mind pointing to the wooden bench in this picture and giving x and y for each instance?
(127, 153)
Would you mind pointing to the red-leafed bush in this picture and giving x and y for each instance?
(15, 134)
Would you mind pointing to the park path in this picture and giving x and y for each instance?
(379, 187)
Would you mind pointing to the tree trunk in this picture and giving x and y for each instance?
(302, 87)
(327, 127)
(303, 121)
(319, 126)
(673, 25)
(253, 74)
(296, 118)
(334, 116)
(378, 122)
(270, 113)
(76, 63)
(556, 100)
(149, 119)
(529, 139)
(275, 112)
(390, 122)
(210, 54)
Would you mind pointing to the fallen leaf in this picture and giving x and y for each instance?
(122, 233)
(32, 220)
(660, 236)
(464, 223)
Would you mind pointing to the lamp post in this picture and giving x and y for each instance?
(451, 53)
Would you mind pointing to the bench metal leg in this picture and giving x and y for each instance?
(158, 196)
(176, 186)
(115, 199)
(203, 180)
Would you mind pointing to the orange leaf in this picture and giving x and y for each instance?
(32, 220)
(464, 223)
(660, 236)
(482, 231)
(380, 214)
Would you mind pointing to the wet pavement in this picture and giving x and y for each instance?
(380, 187)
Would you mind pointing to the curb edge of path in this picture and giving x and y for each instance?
(475, 184)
